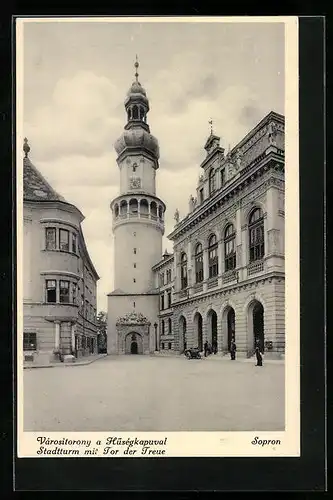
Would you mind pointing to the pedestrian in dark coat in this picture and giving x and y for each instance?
(233, 349)
(258, 352)
(206, 348)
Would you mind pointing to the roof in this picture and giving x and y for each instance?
(35, 186)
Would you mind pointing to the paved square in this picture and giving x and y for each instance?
(146, 393)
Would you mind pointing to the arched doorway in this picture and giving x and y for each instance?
(230, 326)
(182, 331)
(255, 325)
(133, 343)
(134, 347)
(198, 323)
(212, 329)
(258, 324)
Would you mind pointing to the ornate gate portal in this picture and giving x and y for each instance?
(133, 332)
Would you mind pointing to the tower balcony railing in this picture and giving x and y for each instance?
(122, 216)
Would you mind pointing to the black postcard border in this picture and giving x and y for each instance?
(306, 473)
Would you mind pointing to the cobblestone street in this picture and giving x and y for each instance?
(143, 393)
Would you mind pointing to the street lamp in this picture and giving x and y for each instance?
(155, 326)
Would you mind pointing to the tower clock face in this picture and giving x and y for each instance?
(135, 183)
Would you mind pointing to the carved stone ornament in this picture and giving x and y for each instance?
(132, 318)
(135, 183)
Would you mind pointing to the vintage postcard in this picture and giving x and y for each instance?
(158, 237)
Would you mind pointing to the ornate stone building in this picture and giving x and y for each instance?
(229, 249)
(59, 279)
(225, 278)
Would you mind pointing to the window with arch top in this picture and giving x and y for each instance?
(211, 181)
(213, 260)
(135, 112)
(229, 248)
(199, 276)
(183, 271)
(256, 235)
(169, 326)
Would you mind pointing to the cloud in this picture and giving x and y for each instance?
(80, 118)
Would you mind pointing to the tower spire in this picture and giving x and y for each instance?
(136, 65)
(211, 126)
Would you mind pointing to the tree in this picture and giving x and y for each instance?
(102, 332)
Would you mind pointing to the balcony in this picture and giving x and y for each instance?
(212, 283)
(255, 267)
(198, 287)
(230, 276)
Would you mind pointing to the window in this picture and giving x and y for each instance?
(201, 195)
(198, 264)
(213, 260)
(256, 235)
(211, 181)
(64, 291)
(183, 271)
(64, 240)
(51, 291)
(134, 305)
(222, 177)
(161, 279)
(162, 327)
(169, 276)
(134, 265)
(74, 246)
(162, 345)
(229, 248)
(134, 280)
(169, 299)
(169, 326)
(29, 341)
(134, 234)
(50, 237)
(169, 345)
(134, 167)
(74, 292)
(134, 251)
(162, 302)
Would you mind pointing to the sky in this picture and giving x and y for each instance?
(76, 76)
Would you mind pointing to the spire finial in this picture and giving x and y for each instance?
(211, 126)
(136, 65)
(26, 147)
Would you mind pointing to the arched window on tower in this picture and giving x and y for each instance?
(129, 114)
(211, 181)
(229, 248)
(135, 112)
(183, 271)
(213, 260)
(198, 263)
(256, 235)
(142, 113)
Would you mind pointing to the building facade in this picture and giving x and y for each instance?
(229, 249)
(164, 279)
(59, 278)
(225, 278)
(138, 227)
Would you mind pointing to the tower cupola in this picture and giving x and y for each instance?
(137, 132)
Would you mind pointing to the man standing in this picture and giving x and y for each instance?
(233, 350)
(258, 352)
(206, 348)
